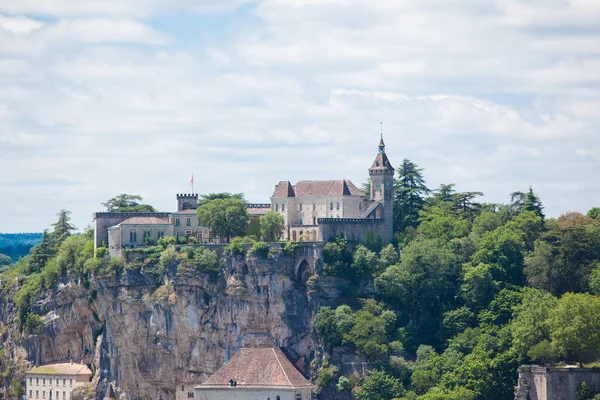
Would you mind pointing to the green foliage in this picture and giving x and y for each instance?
(326, 375)
(437, 223)
(166, 241)
(289, 248)
(33, 323)
(271, 226)
(379, 385)
(127, 203)
(574, 325)
(409, 195)
(364, 261)
(237, 246)
(594, 213)
(585, 391)
(261, 249)
(343, 384)
(445, 394)
(388, 256)
(5, 260)
(337, 258)
(225, 217)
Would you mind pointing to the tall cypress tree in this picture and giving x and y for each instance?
(409, 195)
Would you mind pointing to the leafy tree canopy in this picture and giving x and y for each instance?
(127, 203)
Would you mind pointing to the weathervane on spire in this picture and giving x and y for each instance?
(381, 129)
(381, 144)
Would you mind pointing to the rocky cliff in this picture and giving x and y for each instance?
(148, 337)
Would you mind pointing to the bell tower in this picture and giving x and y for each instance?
(381, 176)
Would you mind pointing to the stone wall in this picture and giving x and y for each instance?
(540, 383)
(366, 231)
(104, 220)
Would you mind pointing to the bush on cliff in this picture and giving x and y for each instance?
(261, 249)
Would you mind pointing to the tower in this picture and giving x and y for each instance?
(381, 176)
(187, 202)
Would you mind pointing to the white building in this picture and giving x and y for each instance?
(55, 381)
(259, 373)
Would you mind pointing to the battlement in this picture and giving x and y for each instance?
(258, 205)
(348, 220)
(187, 196)
(126, 215)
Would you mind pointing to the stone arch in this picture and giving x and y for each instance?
(303, 272)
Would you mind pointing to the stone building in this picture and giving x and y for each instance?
(55, 381)
(138, 231)
(541, 383)
(256, 373)
(318, 210)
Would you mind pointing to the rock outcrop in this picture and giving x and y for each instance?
(148, 338)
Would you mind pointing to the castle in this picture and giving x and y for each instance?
(313, 211)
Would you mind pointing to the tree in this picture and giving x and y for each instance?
(62, 228)
(594, 213)
(327, 329)
(574, 327)
(528, 201)
(409, 195)
(378, 385)
(127, 203)
(205, 198)
(5, 260)
(225, 217)
(271, 226)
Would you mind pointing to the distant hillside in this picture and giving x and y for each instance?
(17, 245)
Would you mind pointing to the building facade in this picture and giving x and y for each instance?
(55, 381)
(318, 210)
(257, 373)
(541, 383)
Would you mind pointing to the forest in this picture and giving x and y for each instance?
(467, 293)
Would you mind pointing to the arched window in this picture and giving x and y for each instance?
(278, 398)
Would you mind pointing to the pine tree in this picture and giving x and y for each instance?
(409, 195)
(528, 201)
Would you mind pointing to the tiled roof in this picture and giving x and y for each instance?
(326, 188)
(189, 211)
(258, 366)
(145, 221)
(284, 189)
(381, 162)
(61, 369)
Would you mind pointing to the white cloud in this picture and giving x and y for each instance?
(101, 100)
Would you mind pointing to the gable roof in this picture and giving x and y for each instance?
(61, 369)
(340, 187)
(146, 221)
(258, 367)
(284, 189)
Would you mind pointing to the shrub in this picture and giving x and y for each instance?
(343, 384)
(261, 249)
(208, 260)
(236, 246)
(289, 248)
(166, 241)
(326, 375)
(167, 257)
(92, 265)
(33, 323)
(101, 252)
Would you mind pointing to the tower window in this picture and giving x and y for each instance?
(360, 206)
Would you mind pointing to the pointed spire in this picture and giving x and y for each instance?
(381, 144)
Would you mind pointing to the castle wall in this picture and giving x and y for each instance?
(104, 220)
(540, 383)
(365, 231)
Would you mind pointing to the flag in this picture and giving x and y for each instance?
(192, 180)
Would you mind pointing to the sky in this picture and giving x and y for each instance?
(102, 97)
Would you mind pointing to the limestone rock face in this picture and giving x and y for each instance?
(145, 339)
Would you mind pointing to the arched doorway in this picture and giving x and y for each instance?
(303, 273)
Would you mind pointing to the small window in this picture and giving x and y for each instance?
(132, 236)
(277, 207)
(30, 393)
(331, 205)
(314, 220)
(177, 222)
(337, 207)
(300, 207)
(57, 384)
(37, 393)
(44, 382)
(160, 234)
(64, 382)
(64, 395)
(43, 394)
(314, 207)
(30, 380)
(360, 206)
(188, 222)
(37, 381)
(278, 398)
(283, 208)
(71, 381)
